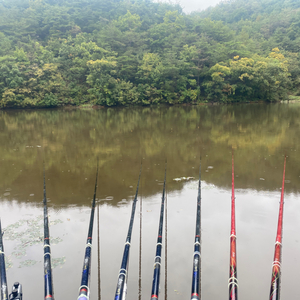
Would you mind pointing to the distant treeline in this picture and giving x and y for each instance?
(116, 52)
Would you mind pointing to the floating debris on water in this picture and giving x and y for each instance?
(123, 201)
(8, 262)
(109, 198)
(194, 186)
(54, 222)
(27, 233)
(55, 241)
(31, 195)
(177, 292)
(261, 179)
(27, 263)
(19, 253)
(183, 178)
(56, 262)
(210, 167)
(6, 194)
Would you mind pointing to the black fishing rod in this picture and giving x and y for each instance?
(84, 293)
(122, 278)
(16, 293)
(196, 283)
(4, 292)
(47, 251)
(157, 260)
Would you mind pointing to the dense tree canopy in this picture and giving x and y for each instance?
(116, 52)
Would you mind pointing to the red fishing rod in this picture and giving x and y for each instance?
(232, 282)
(276, 274)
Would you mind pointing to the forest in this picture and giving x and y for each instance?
(138, 52)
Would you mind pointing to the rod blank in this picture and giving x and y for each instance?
(121, 289)
(48, 282)
(196, 283)
(233, 282)
(157, 260)
(276, 266)
(84, 293)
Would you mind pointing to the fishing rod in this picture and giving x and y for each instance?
(4, 292)
(47, 251)
(84, 292)
(276, 274)
(197, 247)
(140, 249)
(98, 248)
(16, 293)
(157, 260)
(122, 278)
(233, 282)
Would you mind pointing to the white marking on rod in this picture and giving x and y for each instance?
(87, 289)
(197, 252)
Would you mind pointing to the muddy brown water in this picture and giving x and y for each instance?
(71, 140)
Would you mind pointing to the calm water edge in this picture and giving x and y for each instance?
(71, 140)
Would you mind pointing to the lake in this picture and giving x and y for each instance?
(70, 141)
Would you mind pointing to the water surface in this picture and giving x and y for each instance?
(69, 141)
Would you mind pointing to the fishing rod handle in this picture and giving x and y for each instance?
(16, 293)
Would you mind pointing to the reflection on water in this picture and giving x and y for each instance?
(71, 141)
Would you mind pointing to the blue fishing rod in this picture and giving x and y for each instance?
(4, 292)
(157, 260)
(196, 283)
(84, 292)
(16, 293)
(122, 278)
(47, 251)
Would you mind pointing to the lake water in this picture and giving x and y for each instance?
(71, 140)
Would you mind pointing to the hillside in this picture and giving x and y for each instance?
(114, 52)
